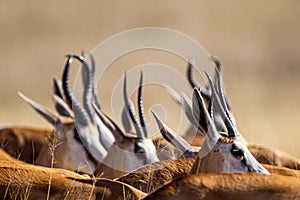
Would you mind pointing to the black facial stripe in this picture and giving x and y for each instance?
(76, 136)
(244, 161)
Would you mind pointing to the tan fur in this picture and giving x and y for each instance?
(230, 186)
(275, 157)
(153, 176)
(6, 157)
(21, 181)
(23, 142)
(64, 151)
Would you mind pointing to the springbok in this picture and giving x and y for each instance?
(263, 154)
(133, 150)
(221, 151)
(153, 176)
(226, 153)
(78, 135)
(76, 127)
(136, 149)
(24, 181)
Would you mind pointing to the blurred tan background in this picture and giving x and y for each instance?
(258, 43)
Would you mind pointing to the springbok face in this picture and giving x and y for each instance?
(143, 145)
(134, 149)
(227, 155)
(221, 151)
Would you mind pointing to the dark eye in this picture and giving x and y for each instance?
(237, 152)
(138, 148)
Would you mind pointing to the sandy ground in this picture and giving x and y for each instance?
(258, 43)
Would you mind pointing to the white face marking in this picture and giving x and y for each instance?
(106, 137)
(136, 155)
(237, 158)
(231, 163)
(149, 154)
(89, 137)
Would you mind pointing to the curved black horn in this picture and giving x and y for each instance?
(194, 83)
(81, 116)
(141, 107)
(222, 93)
(94, 83)
(130, 109)
(66, 82)
(218, 64)
(87, 93)
(232, 132)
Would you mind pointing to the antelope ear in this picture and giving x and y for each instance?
(57, 88)
(199, 111)
(110, 124)
(189, 113)
(61, 107)
(212, 136)
(216, 116)
(194, 83)
(45, 112)
(126, 121)
(231, 129)
(130, 109)
(218, 64)
(176, 140)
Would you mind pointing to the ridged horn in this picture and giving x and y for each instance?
(87, 92)
(218, 64)
(94, 82)
(130, 109)
(141, 107)
(232, 132)
(212, 135)
(66, 82)
(194, 83)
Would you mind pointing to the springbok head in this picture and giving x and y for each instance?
(77, 135)
(90, 97)
(222, 151)
(134, 149)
